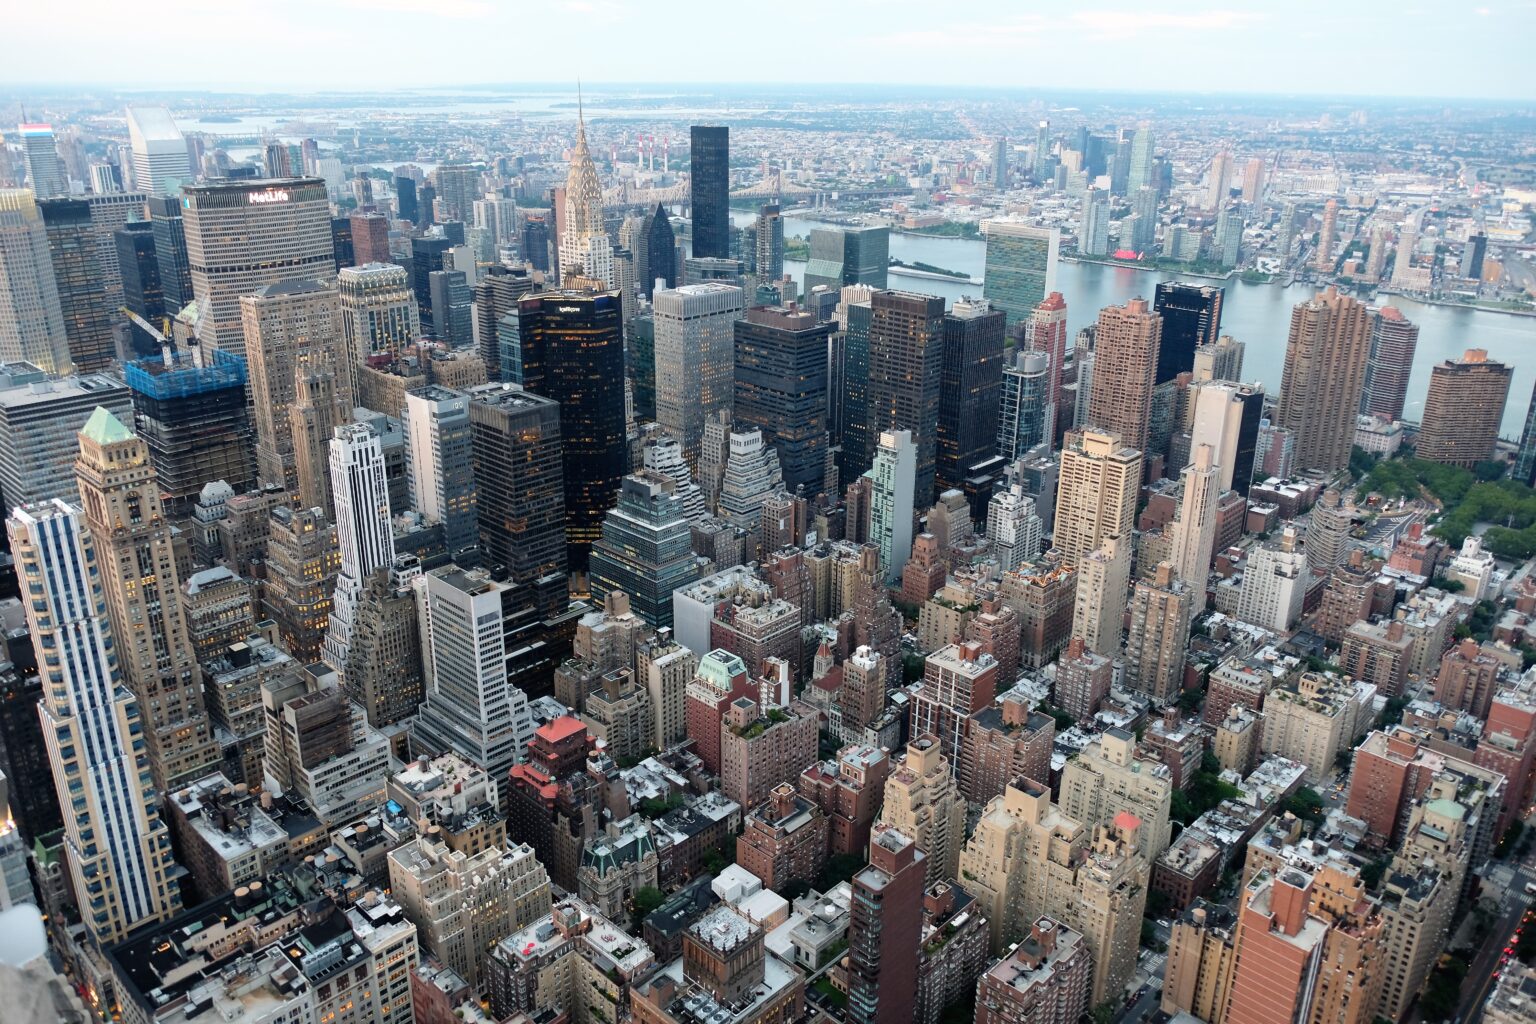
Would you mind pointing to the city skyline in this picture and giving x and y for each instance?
(1093, 47)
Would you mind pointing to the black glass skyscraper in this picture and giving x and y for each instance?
(426, 257)
(641, 353)
(341, 242)
(855, 451)
(1191, 317)
(572, 350)
(136, 260)
(405, 197)
(171, 251)
(781, 389)
(970, 390)
(536, 243)
(660, 252)
(709, 174)
(88, 316)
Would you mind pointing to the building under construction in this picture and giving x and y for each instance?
(195, 420)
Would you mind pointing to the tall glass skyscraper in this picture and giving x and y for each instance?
(845, 256)
(572, 346)
(709, 157)
(31, 318)
(969, 390)
(781, 389)
(1020, 267)
(1025, 404)
(855, 449)
(645, 548)
(1191, 317)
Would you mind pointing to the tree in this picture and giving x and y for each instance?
(1305, 803)
(645, 901)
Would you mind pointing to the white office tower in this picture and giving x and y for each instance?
(1014, 528)
(45, 171)
(1218, 421)
(15, 880)
(440, 465)
(1274, 584)
(751, 474)
(664, 455)
(117, 845)
(159, 151)
(695, 359)
(360, 493)
(378, 311)
(1103, 590)
(894, 474)
(471, 707)
(31, 316)
(1194, 531)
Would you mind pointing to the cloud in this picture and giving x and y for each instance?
(439, 8)
(1126, 24)
(1098, 25)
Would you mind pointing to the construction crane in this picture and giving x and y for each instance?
(167, 346)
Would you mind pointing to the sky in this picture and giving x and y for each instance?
(1446, 48)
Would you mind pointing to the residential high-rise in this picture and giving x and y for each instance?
(1218, 179)
(1327, 237)
(573, 352)
(781, 389)
(1103, 583)
(1394, 338)
(1109, 777)
(1274, 584)
(46, 176)
(1194, 530)
(1325, 357)
(245, 233)
(440, 466)
(292, 332)
(1191, 319)
(1025, 410)
(120, 503)
(891, 504)
(519, 475)
(1161, 610)
(1126, 347)
(117, 846)
(1048, 335)
(31, 317)
(969, 390)
(471, 708)
(1228, 240)
(709, 178)
(80, 282)
(885, 927)
(364, 539)
(922, 799)
(906, 360)
(1463, 409)
(1524, 468)
(769, 257)
(1093, 230)
(378, 312)
(1142, 150)
(695, 359)
(1020, 266)
(1097, 486)
(645, 549)
(845, 257)
(1013, 528)
(160, 164)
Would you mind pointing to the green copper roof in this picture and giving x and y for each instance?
(104, 428)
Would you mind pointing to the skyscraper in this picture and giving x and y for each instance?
(781, 389)
(645, 550)
(292, 331)
(1394, 339)
(1463, 409)
(1020, 266)
(1103, 582)
(1024, 414)
(519, 475)
(496, 295)
(140, 273)
(1161, 610)
(1191, 318)
(1229, 235)
(80, 282)
(1325, 357)
(31, 318)
(1142, 150)
(243, 234)
(1327, 237)
(1226, 417)
(1524, 468)
(695, 359)
(117, 846)
(1093, 230)
(659, 260)
(885, 930)
(452, 307)
(891, 500)
(1000, 152)
(970, 391)
(1126, 346)
(378, 312)
(842, 257)
(364, 539)
(428, 255)
(1048, 335)
(1194, 531)
(171, 251)
(440, 465)
(584, 244)
(709, 178)
(769, 256)
(45, 171)
(370, 239)
(853, 443)
(906, 365)
(1217, 180)
(573, 352)
(120, 499)
(1097, 486)
(471, 708)
(160, 163)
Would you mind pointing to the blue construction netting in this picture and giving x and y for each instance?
(182, 378)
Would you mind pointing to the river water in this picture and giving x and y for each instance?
(1256, 314)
